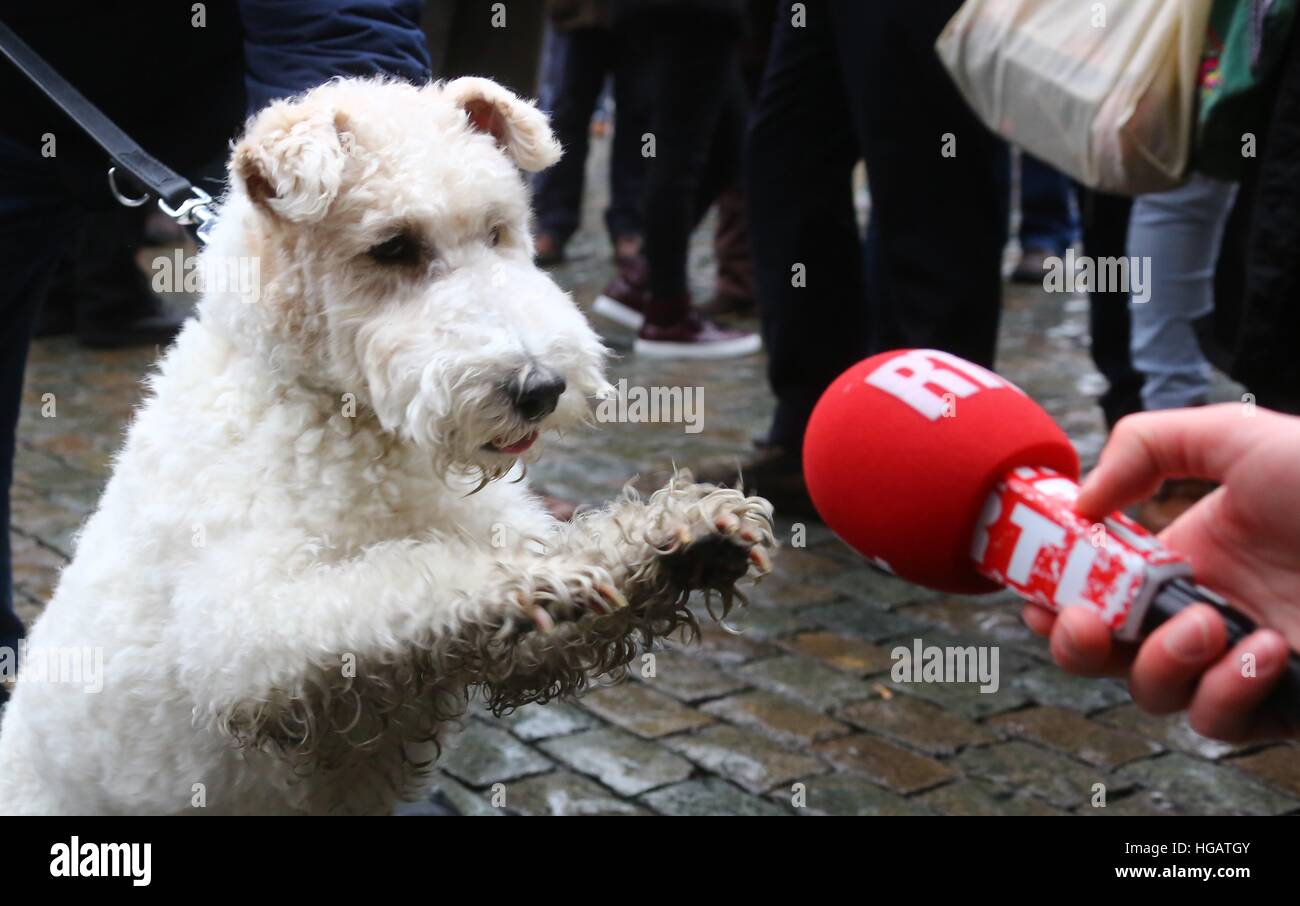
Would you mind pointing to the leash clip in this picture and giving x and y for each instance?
(194, 211)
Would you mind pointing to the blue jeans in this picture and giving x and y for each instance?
(1178, 233)
(1047, 218)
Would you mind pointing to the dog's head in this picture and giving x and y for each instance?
(392, 227)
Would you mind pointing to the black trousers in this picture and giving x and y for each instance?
(584, 57)
(698, 128)
(861, 81)
(1104, 220)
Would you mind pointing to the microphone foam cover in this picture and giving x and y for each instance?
(903, 450)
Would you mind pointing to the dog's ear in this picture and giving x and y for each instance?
(519, 128)
(290, 160)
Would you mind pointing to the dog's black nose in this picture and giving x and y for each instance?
(538, 395)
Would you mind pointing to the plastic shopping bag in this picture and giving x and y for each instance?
(1104, 91)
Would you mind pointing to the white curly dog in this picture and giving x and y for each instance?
(304, 562)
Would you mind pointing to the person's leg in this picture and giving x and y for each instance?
(558, 190)
(1047, 222)
(938, 182)
(803, 234)
(1175, 236)
(1104, 219)
(696, 79)
(720, 188)
(734, 289)
(694, 61)
(633, 106)
(34, 232)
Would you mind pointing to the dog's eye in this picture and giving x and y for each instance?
(400, 249)
(494, 237)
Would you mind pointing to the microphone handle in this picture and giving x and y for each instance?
(1176, 595)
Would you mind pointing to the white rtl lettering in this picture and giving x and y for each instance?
(1074, 578)
(960, 378)
(1036, 533)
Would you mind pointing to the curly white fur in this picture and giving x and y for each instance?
(302, 564)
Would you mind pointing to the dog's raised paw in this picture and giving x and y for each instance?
(543, 599)
(718, 539)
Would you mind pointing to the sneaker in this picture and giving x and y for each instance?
(694, 337)
(626, 298)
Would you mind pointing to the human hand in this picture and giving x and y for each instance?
(1242, 540)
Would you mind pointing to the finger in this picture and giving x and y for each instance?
(1146, 448)
(1038, 619)
(1080, 642)
(1170, 662)
(1227, 701)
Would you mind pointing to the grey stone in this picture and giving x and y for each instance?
(562, 793)
(856, 619)
(746, 758)
(805, 680)
(708, 796)
(1205, 788)
(1020, 767)
(483, 755)
(619, 760)
(848, 795)
(1052, 686)
(533, 722)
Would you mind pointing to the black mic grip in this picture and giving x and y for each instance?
(1178, 594)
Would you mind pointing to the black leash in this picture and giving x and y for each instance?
(177, 198)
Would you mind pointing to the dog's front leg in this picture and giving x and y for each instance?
(325, 664)
(615, 580)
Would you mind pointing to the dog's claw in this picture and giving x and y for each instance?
(760, 558)
(612, 595)
(542, 619)
(726, 524)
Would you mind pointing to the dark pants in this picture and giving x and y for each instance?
(1105, 235)
(36, 229)
(1047, 222)
(583, 59)
(698, 127)
(861, 81)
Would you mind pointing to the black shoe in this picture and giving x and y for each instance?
(770, 472)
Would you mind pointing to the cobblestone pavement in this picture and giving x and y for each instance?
(795, 711)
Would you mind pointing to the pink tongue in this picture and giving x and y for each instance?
(521, 445)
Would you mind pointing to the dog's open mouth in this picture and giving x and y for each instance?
(499, 445)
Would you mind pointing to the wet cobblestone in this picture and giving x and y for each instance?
(797, 714)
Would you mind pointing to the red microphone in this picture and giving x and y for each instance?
(949, 476)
